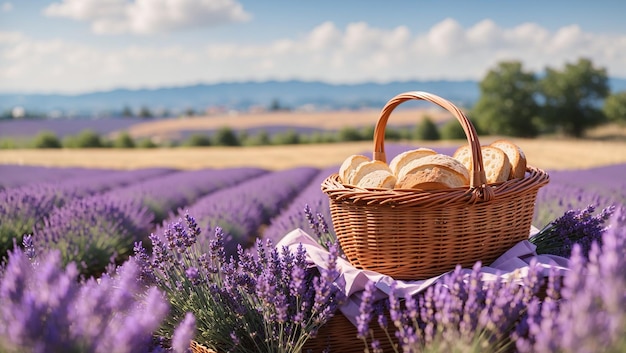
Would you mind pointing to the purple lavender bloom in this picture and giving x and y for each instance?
(590, 315)
(574, 227)
(366, 309)
(184, 334)
(167, 194)
(21, 175)
(457, 313)
(241, 210)
(265, 299)
(94, 231)
(310, 198)
(22, 208)
(46, 309)
(575, 189)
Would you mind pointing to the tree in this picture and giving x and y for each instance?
(127, 112)
(615, 107)
(198, 140)
(85, 139)
(507, 104)
(225, 136)
(427, 130)
(47, 139)
(145, 113)
(349, 133)
(124, 140)
(573, 96)
(452, 130)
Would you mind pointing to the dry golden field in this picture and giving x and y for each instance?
(542, 153)
(555, 154)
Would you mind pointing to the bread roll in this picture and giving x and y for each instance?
(516, 157)
(432, 178)
(497, 165)
(495, 161)
(349, 166)
(399, 161)
(439, 160)
(379, 178)
(463, 154)
(368, 167)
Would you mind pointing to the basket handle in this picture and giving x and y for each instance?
(478, 179)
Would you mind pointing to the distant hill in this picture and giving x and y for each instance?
(238, 96)
(243, 96)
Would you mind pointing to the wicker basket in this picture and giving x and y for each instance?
(416, 234)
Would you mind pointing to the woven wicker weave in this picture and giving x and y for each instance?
(416, 234)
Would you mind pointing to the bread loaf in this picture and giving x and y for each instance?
(495, 161)
(373, 180)
(377, 179)
(431, 177)
(439, 160)
(516, 157)
(399, 161)
(349, 166)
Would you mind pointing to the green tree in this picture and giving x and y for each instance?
(507, 104)
(198, 140)
(393, 134)
(289, 137)
(145, 113)
(572, 97)
(349, 133)
(127, 112)
(124, 140)
(225, 136)
(452, 130)
(615, 107)
(146, 143)
(367, 132)
(47, 139)
(426, 130)
(261, 138)
(85, 139)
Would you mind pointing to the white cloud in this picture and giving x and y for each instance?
(356, 53)
(148, 16)
(6, 7)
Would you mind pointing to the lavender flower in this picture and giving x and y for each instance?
(22, 208)
(94, 231)
(184, 334)
(574, 227)
(366, 309)
(462, 312)
(292, 217)
(241, 210)
(264, 300)
(45, 308)
(164, 195)
(590, 315)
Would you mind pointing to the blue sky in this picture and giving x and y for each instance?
(75, 46)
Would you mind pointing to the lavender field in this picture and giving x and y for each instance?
(141, 234)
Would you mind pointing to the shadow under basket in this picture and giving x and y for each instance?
(414, 234)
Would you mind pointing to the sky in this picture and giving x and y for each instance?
(81, 46)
